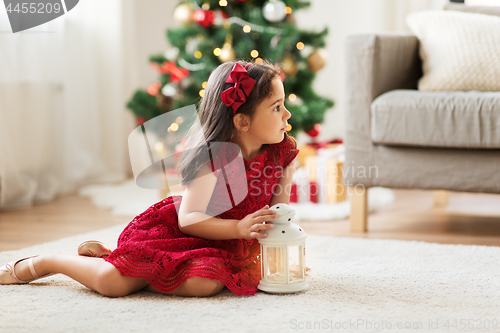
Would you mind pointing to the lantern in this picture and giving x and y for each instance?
(282, 253)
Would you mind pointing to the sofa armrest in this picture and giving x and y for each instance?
(375, 64)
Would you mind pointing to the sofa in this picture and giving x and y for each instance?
(399, 137)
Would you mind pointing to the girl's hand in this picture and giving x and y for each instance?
(251, 224)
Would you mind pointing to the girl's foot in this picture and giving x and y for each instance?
(19, 272)
(93, 248)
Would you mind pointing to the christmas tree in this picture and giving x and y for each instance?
(213, 32)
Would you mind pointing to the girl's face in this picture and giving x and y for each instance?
(269, 122)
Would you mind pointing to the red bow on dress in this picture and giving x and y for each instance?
(243, 85)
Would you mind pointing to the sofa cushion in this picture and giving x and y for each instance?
(459, 51)
(437, 119)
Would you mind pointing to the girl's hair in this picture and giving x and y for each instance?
(216, 119)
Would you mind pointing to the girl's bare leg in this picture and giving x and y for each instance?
(95, 273)
(103, 277)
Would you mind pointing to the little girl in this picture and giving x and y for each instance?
(179, 246)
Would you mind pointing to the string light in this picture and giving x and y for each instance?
(217, 51)
(197, 54)
(300, 45)
(254, 53)
(204, 84)
(202, 92)
(179, 120)
(292, 97)
(288, 10)
(259, 60)
(247, 29)
(289, 128)
(174, 127)
(159, 146)
(223, 3)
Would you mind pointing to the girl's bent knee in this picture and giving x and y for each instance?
(109, 282)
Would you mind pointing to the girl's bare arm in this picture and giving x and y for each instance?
(194, 221)
(282, 191)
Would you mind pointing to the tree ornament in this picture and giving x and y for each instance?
(291, 19)
(140, 120)
(172, 54)
(184, 13)
(314, 132)
(154, 88)
(205, 18)
(274, 10)
(227, 52)
(164, 102)
(289, 66)
(220, 17)
(317, 60)
(169, 90)
(169, 67)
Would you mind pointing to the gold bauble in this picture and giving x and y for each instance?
(227, 53)
(288, 66)
(184, 13)
(317, 60)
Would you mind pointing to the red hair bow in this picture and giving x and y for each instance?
(243, 85)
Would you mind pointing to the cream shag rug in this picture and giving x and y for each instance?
(355, 285)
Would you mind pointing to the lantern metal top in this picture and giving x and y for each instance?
(284, 232)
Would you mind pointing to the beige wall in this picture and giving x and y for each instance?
(343, 17)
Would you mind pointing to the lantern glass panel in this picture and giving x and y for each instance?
(295, 264)
(275, 264)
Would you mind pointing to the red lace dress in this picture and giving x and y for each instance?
(153, 248)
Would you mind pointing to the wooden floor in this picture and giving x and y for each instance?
(468, 219)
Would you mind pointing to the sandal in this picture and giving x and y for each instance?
(93, 248)
(8, 274)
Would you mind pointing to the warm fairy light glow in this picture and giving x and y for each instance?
(247, 29)
(292, 97)
(197, 54)
(174, 127)
(254, 53)
(217, 51)
(159, 146)
(300, 45)
(202, 92)
(259, 60)
(288, 10)
(223, 3)
(289, 128)
(204, 84)
(179, 120)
